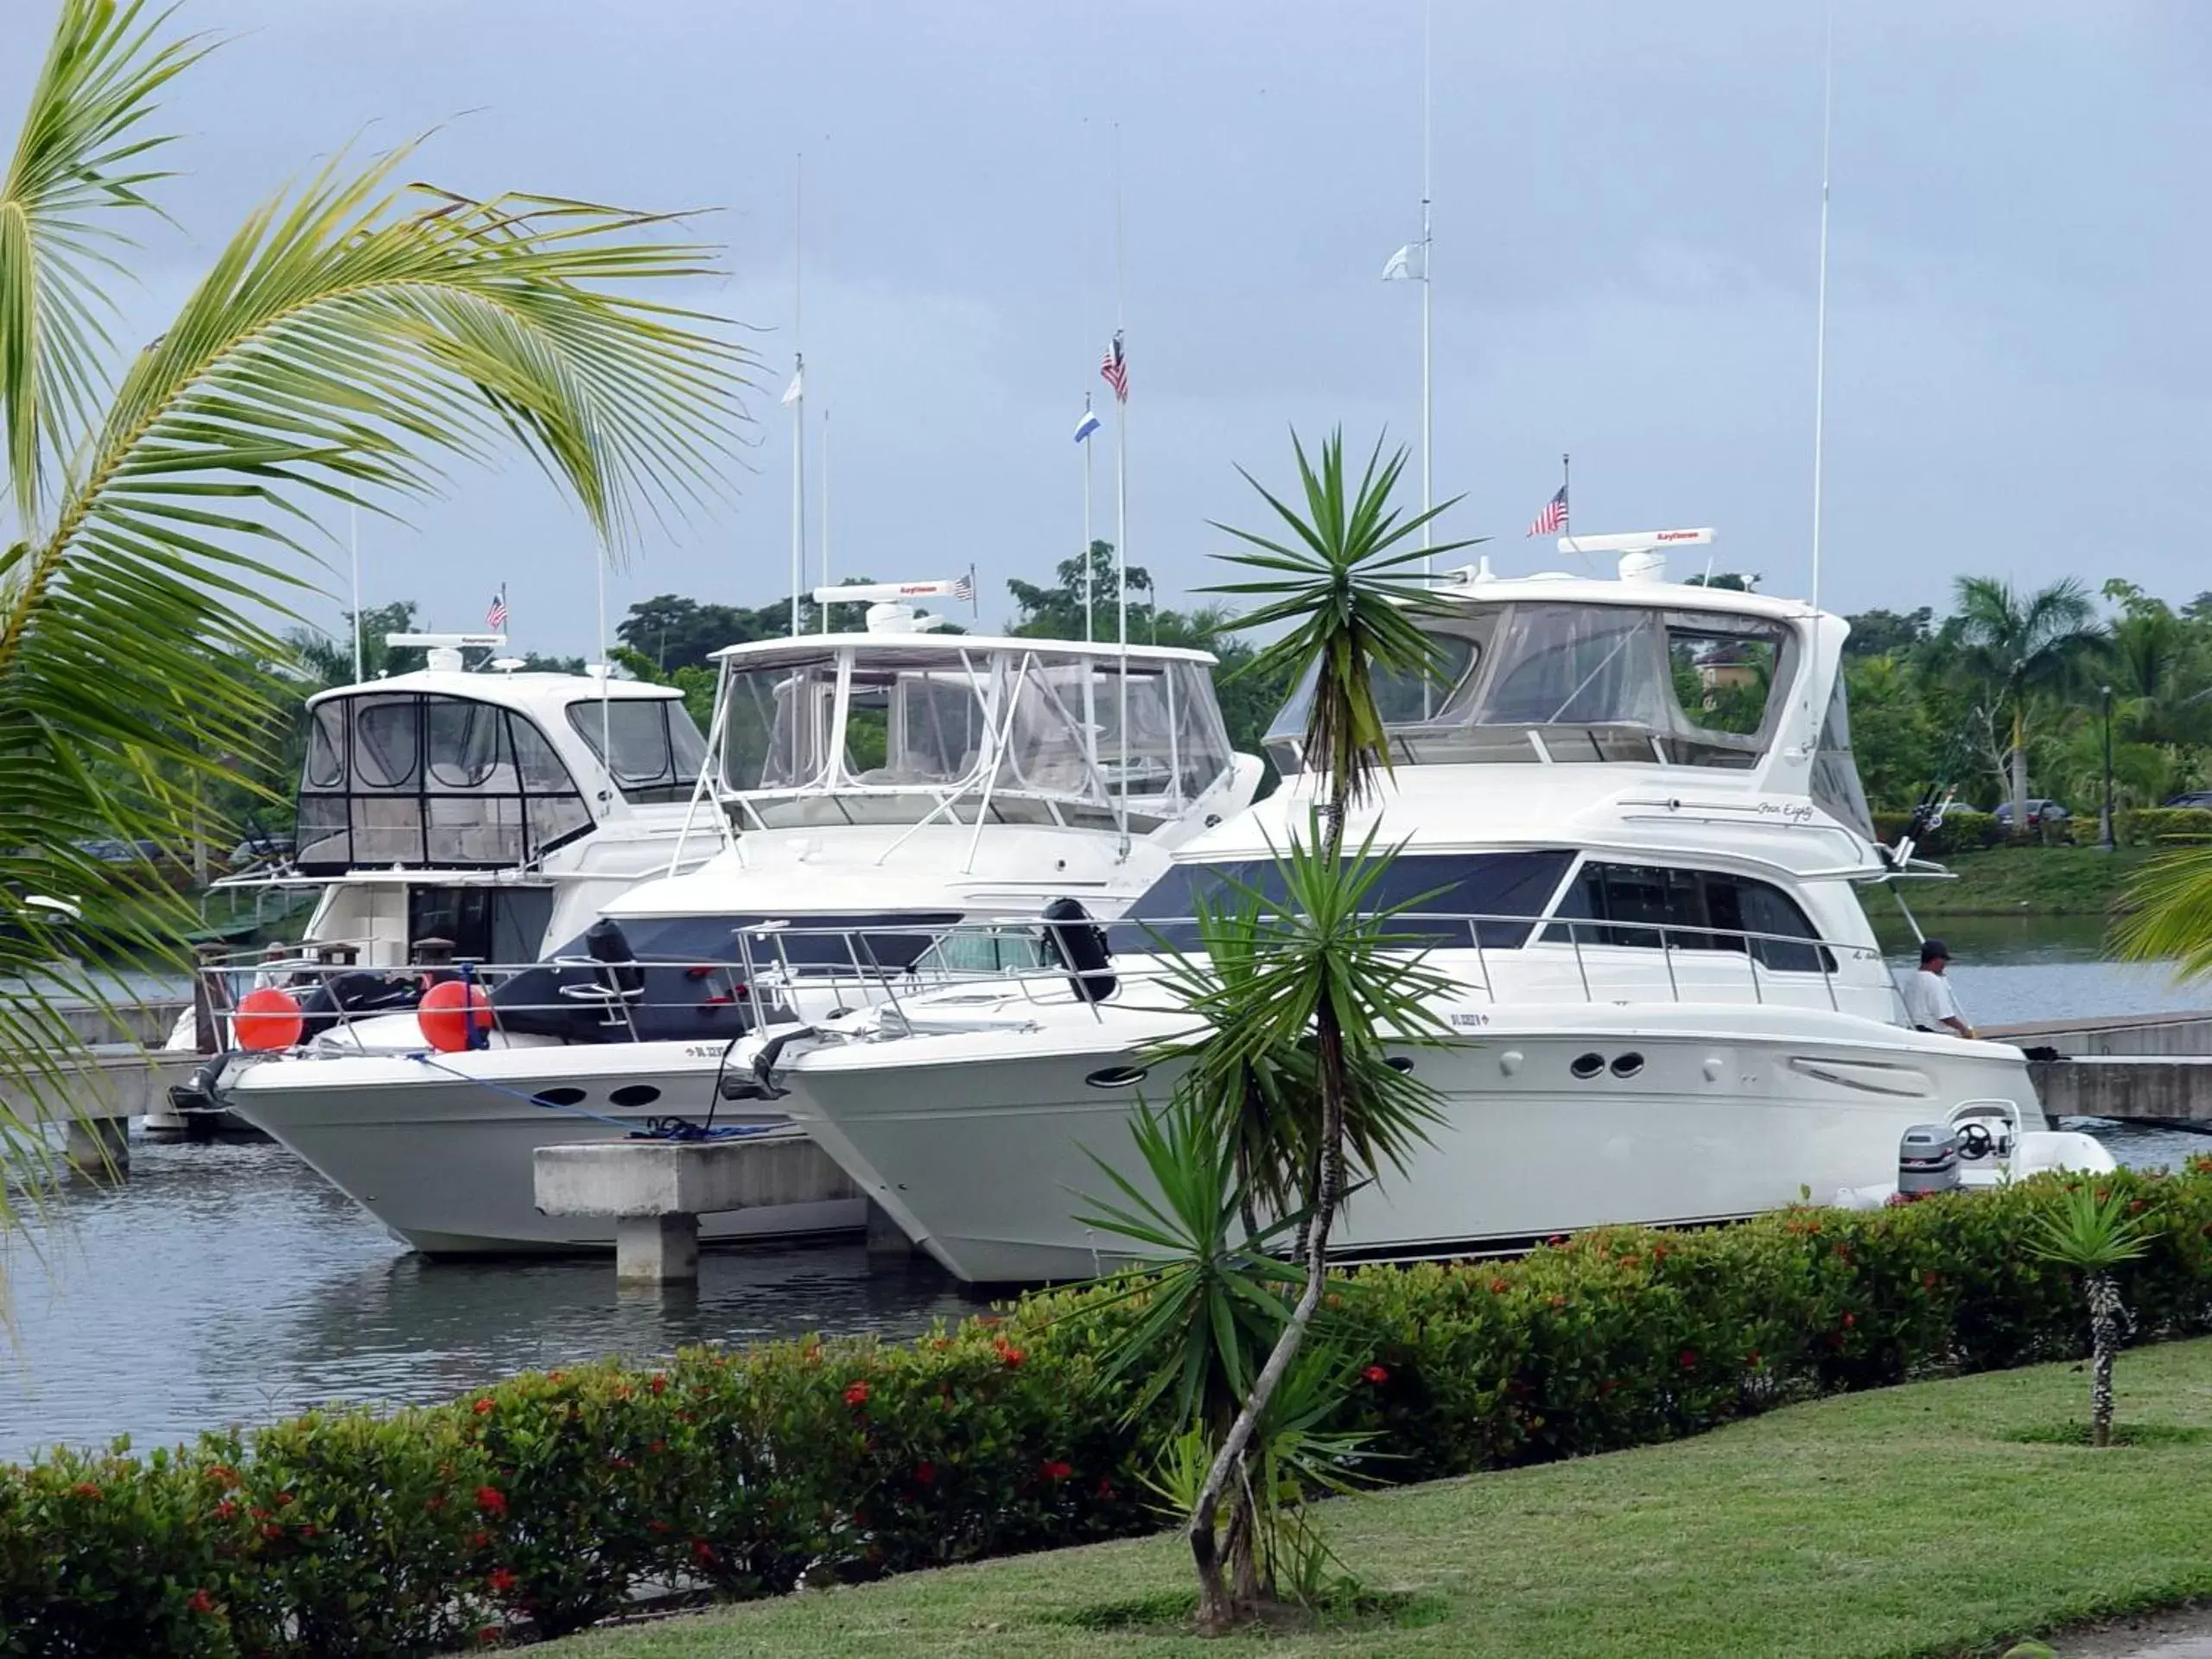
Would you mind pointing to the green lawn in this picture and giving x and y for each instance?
(2039, 880)
(1906, 1521)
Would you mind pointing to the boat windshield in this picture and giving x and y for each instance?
(657, 748)
(1503, 888)
(423, 781)
(901, 732)
(1530, 681)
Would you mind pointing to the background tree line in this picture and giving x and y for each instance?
(2003, 697)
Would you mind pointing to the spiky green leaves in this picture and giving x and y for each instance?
(2090, 1231)
(1348, 582)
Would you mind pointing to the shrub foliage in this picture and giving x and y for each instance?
(546, 1501)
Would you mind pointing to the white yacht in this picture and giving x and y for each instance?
(1636, 806)
(879, 788)
(472, 813)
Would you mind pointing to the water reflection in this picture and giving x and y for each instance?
(227, 1283)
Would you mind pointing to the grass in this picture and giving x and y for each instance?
(1942, 1518)
(2041, 881)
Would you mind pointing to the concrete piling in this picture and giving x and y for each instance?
(655, 1191)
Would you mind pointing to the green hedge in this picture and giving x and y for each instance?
(547, 1499)
(2159, 826)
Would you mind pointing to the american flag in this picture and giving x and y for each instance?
(496, 617)
(1116, 369)
(964, 590)
(1552, 518)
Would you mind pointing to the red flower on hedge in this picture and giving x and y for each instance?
(222, 1474)
(200, 1602)
(271, 1529)
(490, 1634)
(702, 1549)
(1689, 1359)
(1376, 1374)
(1850, 1320)
(501, 1580)
(1055, 1469)
(925, 1472)
(1498, 1286)
(225, 1510)
(1011, 1355)
(857, 1394)
(659, 1384)
(482, 1406)
(491, 1500)
(86, 1489)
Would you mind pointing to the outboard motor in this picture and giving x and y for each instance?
(1928, 1161)
(1080, 943)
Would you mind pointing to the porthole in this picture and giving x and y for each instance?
(1627, 1065)
(635, 1094)
(1399, 1063)
(1588, 1066)
(1117, 1077)
(562, 1096)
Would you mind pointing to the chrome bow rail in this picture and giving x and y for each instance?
(776, 973)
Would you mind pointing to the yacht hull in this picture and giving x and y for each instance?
(981, 1147)
(441, 1150)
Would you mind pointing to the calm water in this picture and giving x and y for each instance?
(225, 1283)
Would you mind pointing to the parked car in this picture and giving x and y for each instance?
(261, 849)
(2040, 812)
(2202, 797)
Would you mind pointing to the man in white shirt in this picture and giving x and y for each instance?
(1928, 1004)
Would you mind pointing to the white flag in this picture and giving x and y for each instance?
(796, 389)
(1405, 265)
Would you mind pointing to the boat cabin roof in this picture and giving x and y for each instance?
(530, 694)
(918, 646)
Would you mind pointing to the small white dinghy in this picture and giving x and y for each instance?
(1982, 1146)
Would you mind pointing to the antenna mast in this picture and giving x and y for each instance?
(1821, 326)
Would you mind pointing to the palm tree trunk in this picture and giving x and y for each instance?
(2018, 760)
(1217, 1609)
(2104, 1342)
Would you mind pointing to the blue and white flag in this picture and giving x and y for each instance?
(1089, 424)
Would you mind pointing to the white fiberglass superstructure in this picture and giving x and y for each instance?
(1634, 810)
(470, 815)
(882, 787)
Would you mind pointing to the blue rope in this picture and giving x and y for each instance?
(657, 1128)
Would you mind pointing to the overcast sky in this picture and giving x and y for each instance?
(1627, 214)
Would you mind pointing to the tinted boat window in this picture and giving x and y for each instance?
(657, 748)
(1648, 906)
(1437, 886)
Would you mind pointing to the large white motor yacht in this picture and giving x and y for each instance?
(876, 789)
(1636, 811)
(471, 813)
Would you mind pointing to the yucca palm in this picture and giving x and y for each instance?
(2093, 1233)
(161, 501)
(1319, 985)
(2013, 645)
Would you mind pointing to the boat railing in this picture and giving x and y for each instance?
(778, 974)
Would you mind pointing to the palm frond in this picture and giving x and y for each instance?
(354, 336)
(1346, 583)
(81, 162)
